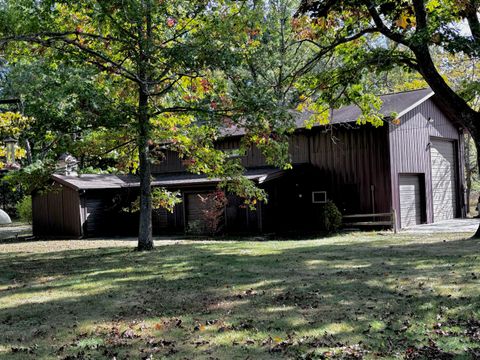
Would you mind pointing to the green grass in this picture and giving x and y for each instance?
(354, 295)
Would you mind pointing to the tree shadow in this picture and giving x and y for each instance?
(284, 296)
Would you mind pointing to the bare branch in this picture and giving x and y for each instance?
(326, 49)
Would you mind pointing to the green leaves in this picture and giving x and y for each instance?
(12, 124)
(34, 177)
(161, 199)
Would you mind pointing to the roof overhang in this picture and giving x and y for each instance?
(110, 181)
(413, 106)
(398, 103)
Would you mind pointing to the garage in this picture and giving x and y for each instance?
(410, 200)
(444, 194)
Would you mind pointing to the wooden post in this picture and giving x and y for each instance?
(394, 221)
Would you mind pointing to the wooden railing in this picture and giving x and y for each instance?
(379, 219)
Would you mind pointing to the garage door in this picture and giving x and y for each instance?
(443, 180)
(410, 200)
(194, 208)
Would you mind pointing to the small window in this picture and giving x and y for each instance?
(319, 197)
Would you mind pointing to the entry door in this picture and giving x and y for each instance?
(410, 200)
(443, 180)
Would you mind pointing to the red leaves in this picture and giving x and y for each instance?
(213, 206)
(189, 162)
(206, 85)
(171, 22)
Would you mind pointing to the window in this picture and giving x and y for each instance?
(319, 197)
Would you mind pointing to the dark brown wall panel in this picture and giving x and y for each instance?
(56, 213)
(40, 222)
(171, 163)
(71, 213)
(355, 158)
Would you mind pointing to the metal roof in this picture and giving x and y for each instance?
(399, 103)
(110, 181)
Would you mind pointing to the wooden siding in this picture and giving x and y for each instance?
(354, 166)
(165, 222)
(106, 214)
(193, 209)
(410, 148)
(254, 158)
(95, 207)
(351, 161)
(171, 163)
(56, 213)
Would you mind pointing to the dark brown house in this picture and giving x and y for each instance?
(411, 168)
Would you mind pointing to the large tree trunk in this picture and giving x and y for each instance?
(469, 169)
(452, 103)
(145, 240)
(476, 140)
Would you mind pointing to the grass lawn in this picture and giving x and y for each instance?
(349, 296)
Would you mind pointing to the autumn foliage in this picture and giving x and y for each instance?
(213, 208)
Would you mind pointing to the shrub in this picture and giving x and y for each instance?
(332, 217)
(195, 227)
(213, 208)
(24, 209)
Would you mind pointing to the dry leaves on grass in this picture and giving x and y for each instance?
(429, 352)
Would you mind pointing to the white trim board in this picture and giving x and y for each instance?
(411, 107)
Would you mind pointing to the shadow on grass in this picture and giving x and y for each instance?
(242, 299)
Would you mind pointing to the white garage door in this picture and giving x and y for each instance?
(443, 180)
(410, 200)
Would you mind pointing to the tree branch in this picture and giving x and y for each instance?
(382, 28)
(420, 15)
(472, 19)
(53, 38)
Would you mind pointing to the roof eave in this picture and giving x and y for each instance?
(64, 182)
(416, 104)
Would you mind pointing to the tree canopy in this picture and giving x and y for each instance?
(414, 35)
(159, 75)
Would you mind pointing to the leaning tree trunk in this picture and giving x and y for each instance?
(476, 141)
(453, 103)
(145, 240)
(468, 171)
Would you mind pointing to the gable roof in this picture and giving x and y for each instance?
(400, 103)
(111, 181)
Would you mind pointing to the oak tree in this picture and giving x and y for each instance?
(380, 35)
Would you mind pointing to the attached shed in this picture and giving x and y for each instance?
(98, 205)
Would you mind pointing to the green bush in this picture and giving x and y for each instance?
(24, 209)
(332, 217)
(195, 227)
